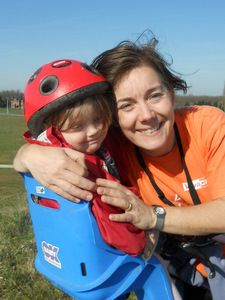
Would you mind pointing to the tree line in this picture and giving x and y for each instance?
(180, 100)
(217, 101)
(9, 95)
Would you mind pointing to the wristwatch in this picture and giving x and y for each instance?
(160, 214)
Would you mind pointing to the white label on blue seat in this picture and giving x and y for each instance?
(50, 254)
(40, 190)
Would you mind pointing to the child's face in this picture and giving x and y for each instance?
(86, 135)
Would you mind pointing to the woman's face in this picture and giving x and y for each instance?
(146, 111)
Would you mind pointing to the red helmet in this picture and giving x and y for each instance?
(58, 84)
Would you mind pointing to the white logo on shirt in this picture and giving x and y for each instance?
(177, 198)
(198, 184)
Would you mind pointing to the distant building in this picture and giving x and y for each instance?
(16, 104)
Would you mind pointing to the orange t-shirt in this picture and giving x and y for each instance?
(202, 133)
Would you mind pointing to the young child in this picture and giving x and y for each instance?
(64, 106)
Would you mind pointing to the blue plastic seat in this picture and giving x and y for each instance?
(73, 256)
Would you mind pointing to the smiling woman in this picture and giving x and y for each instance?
(146, 111)
(166, 151)
(167, 154)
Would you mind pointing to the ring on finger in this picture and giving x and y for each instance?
(129, 207)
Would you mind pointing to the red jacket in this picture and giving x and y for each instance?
(122, 236)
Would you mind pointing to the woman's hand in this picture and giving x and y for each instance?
(203, 219)
(61, 170)
(140, 214)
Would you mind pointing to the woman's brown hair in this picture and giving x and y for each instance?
(116, 62)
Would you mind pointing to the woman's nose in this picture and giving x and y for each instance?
(145, 112)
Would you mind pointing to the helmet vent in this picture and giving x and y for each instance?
(49, 85)
(34, 75)
(90, 69)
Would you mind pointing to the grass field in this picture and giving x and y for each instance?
(11, 111)
(11, 138)
(18, 277)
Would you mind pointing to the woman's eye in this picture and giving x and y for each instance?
(125, 107)
(155, 97)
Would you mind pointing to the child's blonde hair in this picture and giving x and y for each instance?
(101, 106)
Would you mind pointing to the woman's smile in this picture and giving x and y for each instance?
(150, 130)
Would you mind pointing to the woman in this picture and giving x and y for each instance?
(177, 162)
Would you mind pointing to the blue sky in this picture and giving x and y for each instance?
(36, 32)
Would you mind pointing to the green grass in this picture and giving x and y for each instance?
(11, 111)
(11, 137)
(18, 277)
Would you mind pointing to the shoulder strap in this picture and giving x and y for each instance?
(161, 195)
(192, 190)
(157, 189)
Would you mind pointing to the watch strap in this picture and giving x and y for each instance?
(160, 218)
(159, 222)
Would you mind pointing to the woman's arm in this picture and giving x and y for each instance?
(202, 219)
(59, 169)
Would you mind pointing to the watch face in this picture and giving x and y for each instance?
(159, 210)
